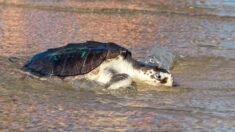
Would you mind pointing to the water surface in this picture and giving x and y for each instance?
(197, 32)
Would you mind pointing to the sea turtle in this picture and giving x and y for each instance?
(108, 64)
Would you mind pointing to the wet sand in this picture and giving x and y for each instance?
(201, 34)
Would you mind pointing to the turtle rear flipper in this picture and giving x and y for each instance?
(17, 61)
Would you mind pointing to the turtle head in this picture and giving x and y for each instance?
(163, 77)
(158, 76)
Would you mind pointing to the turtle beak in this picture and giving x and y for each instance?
(167, 81)
(164, 81)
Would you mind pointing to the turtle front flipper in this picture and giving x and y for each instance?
(118, 81)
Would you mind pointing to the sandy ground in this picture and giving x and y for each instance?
(200, 33)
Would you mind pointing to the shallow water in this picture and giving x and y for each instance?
(202, 39)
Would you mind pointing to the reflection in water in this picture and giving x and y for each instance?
(213, 3)
(230, 45)
(42, 29)
(204, 101)
(35, 32)
(13, 39)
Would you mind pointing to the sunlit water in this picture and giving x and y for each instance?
(204, 69)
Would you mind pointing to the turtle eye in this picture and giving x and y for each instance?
(158, 76)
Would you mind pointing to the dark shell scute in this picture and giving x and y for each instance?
(73, 59)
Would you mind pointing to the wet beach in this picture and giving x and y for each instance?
(200, 33)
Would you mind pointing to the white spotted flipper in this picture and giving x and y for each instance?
(119, 81)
